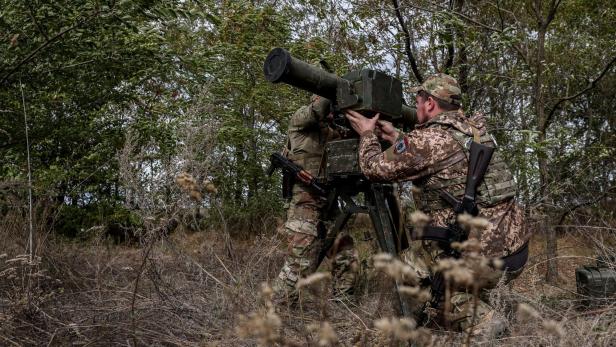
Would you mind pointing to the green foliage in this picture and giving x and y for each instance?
(120, 223)
(88, 71)
(92, 72)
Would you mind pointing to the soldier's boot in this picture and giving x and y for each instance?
(285, 294)
(481, 321)
(300, 261)
(345, 271)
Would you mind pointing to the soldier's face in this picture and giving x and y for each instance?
(421, 109)
(426, 107)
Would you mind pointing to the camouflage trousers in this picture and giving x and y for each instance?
(465, 312)
(305, 232)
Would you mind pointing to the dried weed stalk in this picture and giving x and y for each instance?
(264, 325)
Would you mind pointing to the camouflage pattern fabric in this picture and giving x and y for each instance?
(345, 269)
(432, 157)
(304, 229)
(304, 245)
(463, 305)
(423, 255)
(441, 86)
(307, 135)
(485, 320)
(424, 156)
(498, 184)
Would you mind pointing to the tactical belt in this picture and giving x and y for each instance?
(433, 234)
(512, 262)
(517, 260)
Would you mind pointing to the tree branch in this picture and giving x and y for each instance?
(553, 8)
(463, 16)
(590, 86)
(36, 23)
(407, 43)
(536, 11)
(450, 46)
(44, 45)
(500, 15)
(565, 213)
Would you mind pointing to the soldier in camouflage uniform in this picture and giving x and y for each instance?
(307, 134)
(434, 157)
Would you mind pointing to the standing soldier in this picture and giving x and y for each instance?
(435, 158)
(307, 135)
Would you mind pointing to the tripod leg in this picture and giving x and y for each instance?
(341, 220)
(384, 227)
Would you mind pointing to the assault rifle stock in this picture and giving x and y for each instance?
(296, 173)
(479, 159)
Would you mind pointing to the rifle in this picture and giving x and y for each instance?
(291, 173)
(479, 159)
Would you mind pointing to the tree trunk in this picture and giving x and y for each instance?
(551, 250)
(542, 126)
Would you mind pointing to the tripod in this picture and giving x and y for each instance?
(380, 204)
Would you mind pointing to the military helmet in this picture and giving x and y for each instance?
(441, 86)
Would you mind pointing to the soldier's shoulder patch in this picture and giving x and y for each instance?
(401, 145)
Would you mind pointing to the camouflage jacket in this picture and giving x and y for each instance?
(432, 153)
(306, 138)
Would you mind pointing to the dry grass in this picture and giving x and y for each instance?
(192, 293)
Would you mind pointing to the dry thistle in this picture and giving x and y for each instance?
(265, 328)
(394, 268)
(189, 185)
(473, 223)
(196, 195)
(326, 334)
(210, 187)
(526, 312)
(266, 291)
(267, 295)
(313, 279)
(456, 271)
(419, 220)
(553, 327)
(470, 245)
(402, 329)
(382, 257)
(185, 181)
(498, 263)
(385, 325)
(416, 293)
(462, 276)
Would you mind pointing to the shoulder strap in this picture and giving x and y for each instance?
(287, 148)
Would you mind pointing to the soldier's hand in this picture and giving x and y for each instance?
(387, 131)
(359, 123)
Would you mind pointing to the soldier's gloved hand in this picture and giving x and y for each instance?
(321, 106)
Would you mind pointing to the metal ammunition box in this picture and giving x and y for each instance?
(595, 282)
(342, 159)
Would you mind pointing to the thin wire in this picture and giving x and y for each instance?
(31, 234)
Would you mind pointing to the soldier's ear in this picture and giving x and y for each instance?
(430, 103)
